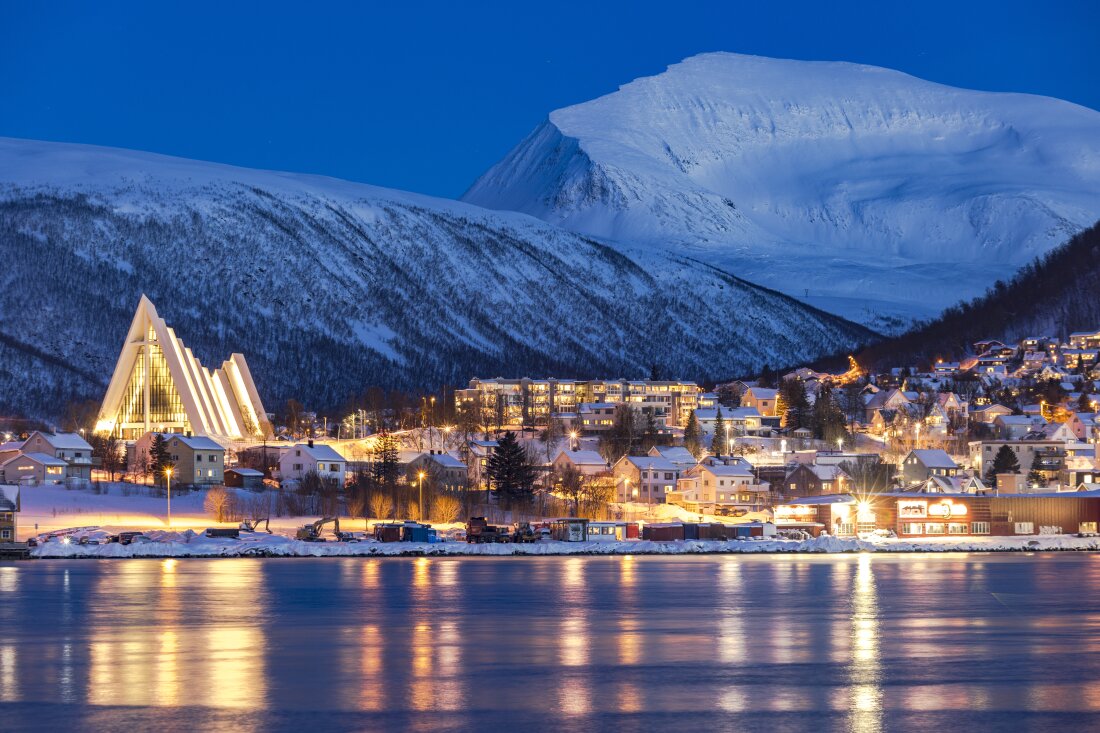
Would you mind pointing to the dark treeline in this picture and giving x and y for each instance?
(1053, 296)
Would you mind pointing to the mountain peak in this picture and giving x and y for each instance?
(855, 184)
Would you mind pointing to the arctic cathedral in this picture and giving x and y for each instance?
(158, 384)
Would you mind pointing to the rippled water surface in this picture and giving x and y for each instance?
(851, 642)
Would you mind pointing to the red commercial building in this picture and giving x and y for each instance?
(943, 515)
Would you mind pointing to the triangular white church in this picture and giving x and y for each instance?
(158, 384)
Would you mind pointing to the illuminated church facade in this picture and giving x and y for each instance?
(158, 384)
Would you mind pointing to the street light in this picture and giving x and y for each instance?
(839, 444)
(573, 440)
(420, 506)
(168, 475)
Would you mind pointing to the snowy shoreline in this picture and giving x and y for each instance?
(196, 546)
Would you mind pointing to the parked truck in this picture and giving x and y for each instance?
(479, 531)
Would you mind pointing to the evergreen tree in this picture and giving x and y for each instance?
(1084, 402)
(717, 441)
(1004, 462)
(650, 436)
(792, 404)
(693, 436)
(511, 472)
(828, 418)
(385, 467)
(1034, 476)
(159, 460)
(766, 378)
(619, 440)
(781, 404)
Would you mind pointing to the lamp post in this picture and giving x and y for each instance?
(573, 440)
(168, 475)
(839, 445)
(420, 506)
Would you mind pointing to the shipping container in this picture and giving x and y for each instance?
(663, 532)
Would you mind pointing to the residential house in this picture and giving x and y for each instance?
(1085, 340)
(33, 469)
(244, 478)
(922, 463)
(69, 447)
(887, 399)
(445, 470)
(737, 420)
(1051, 452)
(1083, 425)
(762, 399)
(1056, 431)
(196, 460)
(806, 479)
(1079, 469)
(725, 487)
(647, 479)
(587, 462)
(678, 455)
(9, 511)
(951, 404)
(595, 417)
(1015, 427)
(299, 460)
(958, 484)
(988, 413)
(476, 454)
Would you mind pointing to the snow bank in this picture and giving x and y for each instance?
(189, 544)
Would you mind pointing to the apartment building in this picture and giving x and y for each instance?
(536, 401)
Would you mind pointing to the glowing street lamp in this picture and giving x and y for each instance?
(420, 506)
(573, 440)
(168, 475)
(839, 445)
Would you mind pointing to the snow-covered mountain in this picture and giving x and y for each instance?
(876, 193)
(328, 286)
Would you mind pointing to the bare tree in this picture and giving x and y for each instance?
(380, 505)
(217, 503)
(571, 486)
(446, 508)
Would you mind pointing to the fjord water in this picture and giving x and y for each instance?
(847, 642)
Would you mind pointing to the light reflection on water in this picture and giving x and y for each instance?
(862, 643)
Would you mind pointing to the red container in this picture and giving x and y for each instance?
(663, 532)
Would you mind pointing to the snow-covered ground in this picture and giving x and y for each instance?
(190, 544)
(50, 508)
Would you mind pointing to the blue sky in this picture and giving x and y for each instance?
(425, 96)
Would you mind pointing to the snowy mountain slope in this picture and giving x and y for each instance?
(864, 186)
(328, 287)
